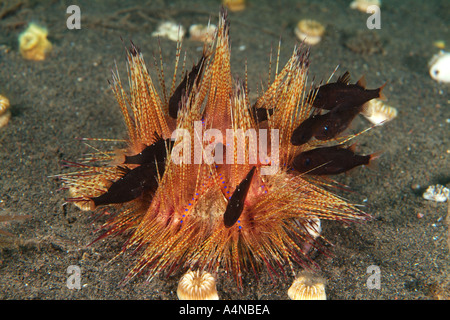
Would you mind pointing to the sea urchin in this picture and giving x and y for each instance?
(186, 197)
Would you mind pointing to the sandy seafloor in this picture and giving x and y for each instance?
(67, 96)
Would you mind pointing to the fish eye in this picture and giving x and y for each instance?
(307, 161)
(325, 128)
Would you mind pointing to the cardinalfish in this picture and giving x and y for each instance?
(324, 126)
(156, 152)
(341, 92)
(345, 101)
(143, 178)
(336, 121)
(185, 87)
(306, 130)
(236, 203)
(151, 160)
(330, 160)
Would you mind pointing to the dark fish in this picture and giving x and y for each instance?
(331, 95)
(140, 179)
(329, 160)
(185, 87)
(236, 203)
(335, 121)
(132, 185)
(345, 101)
(156, 152)
(325, 126)
(305, 131)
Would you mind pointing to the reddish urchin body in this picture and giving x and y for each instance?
(182, 211)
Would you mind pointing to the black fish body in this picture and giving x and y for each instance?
(329, 160)
(344, 101)
(331, 95)
(185, 87)
(236, 203)
(305, 131)
(154, 152)
(132, 184)
(336, 121)
(143, 178)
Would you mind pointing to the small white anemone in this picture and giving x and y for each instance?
(197, 285)
(363, 5)
(170, 30)
(5, 114)
(307, 287)
(309, 31)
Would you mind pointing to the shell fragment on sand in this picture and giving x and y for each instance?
(378, 113)
(440, 67)
(437, 193)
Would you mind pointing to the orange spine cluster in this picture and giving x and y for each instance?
(181, 224)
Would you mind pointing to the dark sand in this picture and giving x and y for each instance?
(67, 96)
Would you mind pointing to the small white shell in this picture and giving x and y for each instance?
(440, 67)
(170, 30)
(437, 193)
(377, 112)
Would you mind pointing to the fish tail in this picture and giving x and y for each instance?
(381, 95)
(376, 155)
(371, 163)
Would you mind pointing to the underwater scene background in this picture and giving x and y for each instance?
(66, 96)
